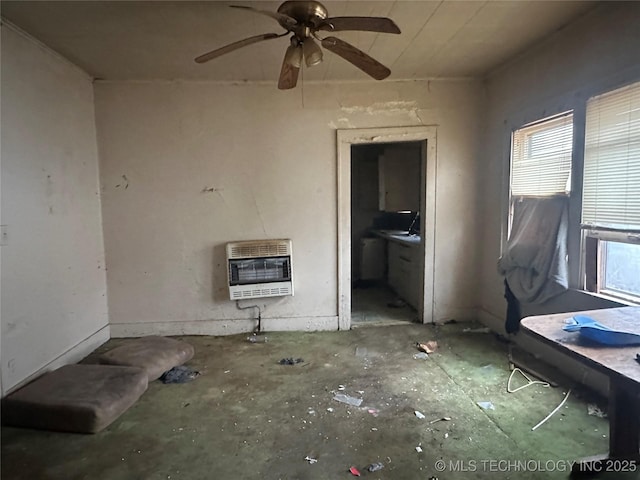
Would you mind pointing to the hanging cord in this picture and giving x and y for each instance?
(528, 384)
(554, 410)
(258, 328)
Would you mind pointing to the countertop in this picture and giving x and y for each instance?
(398, 236)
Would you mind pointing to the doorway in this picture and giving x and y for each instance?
(385, 243)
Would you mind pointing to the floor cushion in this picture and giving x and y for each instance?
(153, 354)
(75, 398)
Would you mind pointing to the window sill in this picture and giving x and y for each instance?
(610, 298)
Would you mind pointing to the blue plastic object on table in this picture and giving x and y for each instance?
(597, 332)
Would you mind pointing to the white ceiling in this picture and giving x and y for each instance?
(127, 40)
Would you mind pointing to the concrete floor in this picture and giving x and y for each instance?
(247, 417)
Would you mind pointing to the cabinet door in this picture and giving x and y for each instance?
(399, 179)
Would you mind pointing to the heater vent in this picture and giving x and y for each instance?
(260, 268)
(257, 249)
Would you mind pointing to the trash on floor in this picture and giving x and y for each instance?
(420, 415)
(419, 449)
(443, 419)
(552, 411)
(421, 356)
(329, 409)
(257, 338)
(179, 374)
(596, 411)
(486, 405)
(530, 381)
(476, 330)
(354, 471)
(341, 387)
(361, 352)
(349, 400)
(290, 361)
(373, 411)
(311, 460)
(427, 347)
(374, 467)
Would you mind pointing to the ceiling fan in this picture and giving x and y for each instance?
(304, 19)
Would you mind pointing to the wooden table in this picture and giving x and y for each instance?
(618, 363)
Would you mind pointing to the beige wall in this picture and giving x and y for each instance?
(54, 307)
(270, 158)
(597, 53)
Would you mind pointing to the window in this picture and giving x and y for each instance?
(541, 158)
(611, 194)
(541, 161)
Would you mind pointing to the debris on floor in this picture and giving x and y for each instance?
(419, 449)
(477, 330)
(374, 467)
(420, 415)
(443, 419)
(373, 411)
(566, 397)
(311, 460)
(354, 471)
(421, 356)
(486, 405)
(257, 338)
(427, 347)
(179, 374)
(349, 400)
(361, 352)
(290, 361)
(596, 411)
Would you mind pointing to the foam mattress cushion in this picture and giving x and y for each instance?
(154, 354)
(75, 398)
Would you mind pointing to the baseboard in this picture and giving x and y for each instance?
(223, 327)
(491, 320)
(72, 355)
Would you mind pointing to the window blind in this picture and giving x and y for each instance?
(611, 191)
(541, 158)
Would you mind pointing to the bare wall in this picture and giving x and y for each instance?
(54, 306)
(188, 166)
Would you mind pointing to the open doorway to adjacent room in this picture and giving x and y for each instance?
(386, 217)
(386, 248)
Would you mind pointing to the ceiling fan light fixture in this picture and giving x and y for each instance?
(312, 52)
(293, 56)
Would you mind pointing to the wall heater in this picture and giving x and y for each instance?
(260, 268)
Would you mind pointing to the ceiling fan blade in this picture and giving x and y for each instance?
(364, 24)
(289, 72)
(285, 21)
(357, 57)
(234, 46)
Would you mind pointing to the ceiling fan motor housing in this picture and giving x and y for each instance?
(307, 13)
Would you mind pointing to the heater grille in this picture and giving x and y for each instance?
(258, 249)
(261, 268)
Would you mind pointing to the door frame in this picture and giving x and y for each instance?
(345, 139)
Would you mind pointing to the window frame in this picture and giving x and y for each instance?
(592, 238)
